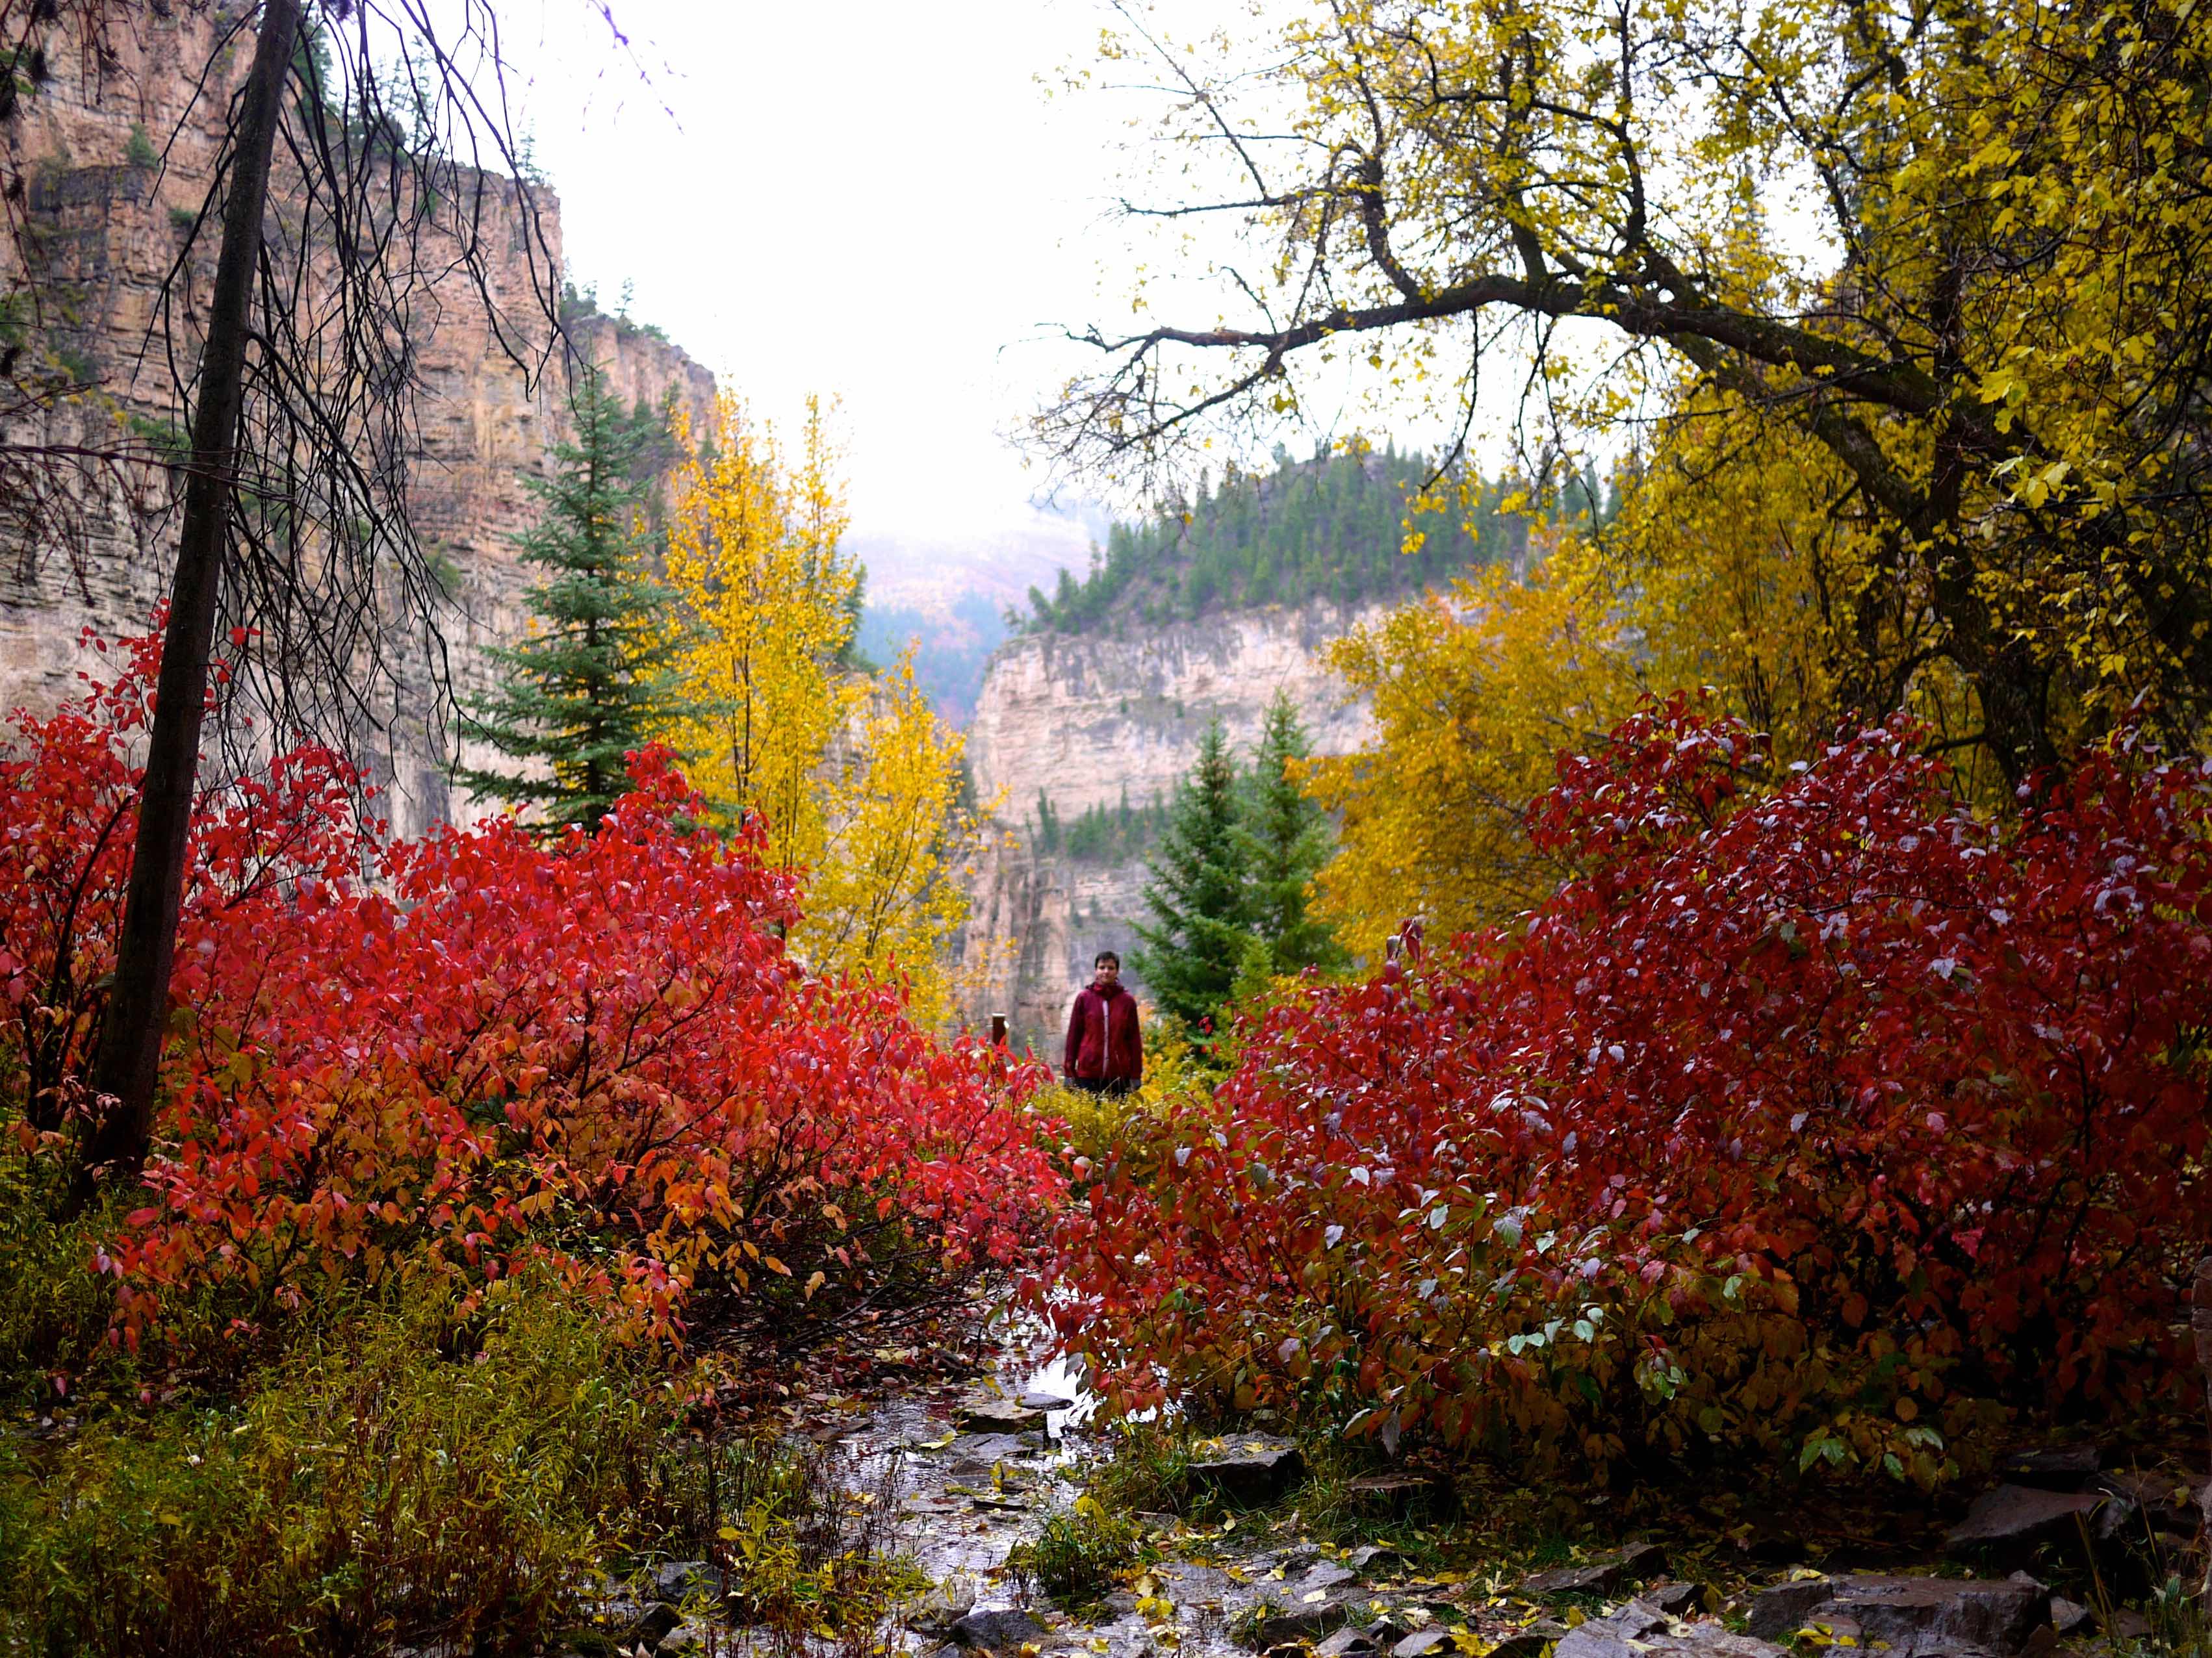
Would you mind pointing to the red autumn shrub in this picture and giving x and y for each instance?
(1823, 1119)
(476, 1048)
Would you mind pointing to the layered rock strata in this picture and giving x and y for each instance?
(1093, 721)
(108, 163)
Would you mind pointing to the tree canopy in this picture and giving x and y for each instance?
(1943, 258)
(582, 690)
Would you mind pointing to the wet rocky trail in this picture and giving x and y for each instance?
(2068, 1550)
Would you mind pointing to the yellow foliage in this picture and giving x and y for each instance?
(1475, 692)
(856, 779)
(1931, 279)
(764, 596)
(887, 892)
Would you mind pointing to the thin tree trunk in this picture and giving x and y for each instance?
(137, 1008)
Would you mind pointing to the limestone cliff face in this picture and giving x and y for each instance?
(101, 226)
(1093, 721)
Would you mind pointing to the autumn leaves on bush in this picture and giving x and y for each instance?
(478, 1050)
(1812, 1117)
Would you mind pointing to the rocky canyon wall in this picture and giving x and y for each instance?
(106, 165)
(1090, 721)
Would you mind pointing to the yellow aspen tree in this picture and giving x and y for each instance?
(858, 781)
(887, 894)
(1475, 692)
(765, 601)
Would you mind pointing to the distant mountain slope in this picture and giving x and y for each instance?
(1332, 528)
(952, 647)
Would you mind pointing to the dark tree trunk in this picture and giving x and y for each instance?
(137, 1008)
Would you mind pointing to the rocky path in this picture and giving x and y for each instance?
(974, 1472)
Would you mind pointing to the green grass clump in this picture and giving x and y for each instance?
(1079, 1554)
(408, 1471)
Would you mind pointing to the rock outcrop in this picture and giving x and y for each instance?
(113, 156)
(1098, 720)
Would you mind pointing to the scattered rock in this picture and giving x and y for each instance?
(2014, 1520)
(1301, 1620)
(996, 1631)
(633, 1622)
(675, 1581)
(2166, 1497)
(1035, 1400)
(1345, 1641)
(1368, 1553)
(1915, 1614)
(1602, 1576)
(994, 1413)
(2068, 1617)
(1529, 1643)
(2125, 1624)
(2055, 1468)
(1619, 1634)
(1786, 1606)
(1676, 1599)
(688, 1637)
(1421, 1642)
(1253, 1469)
(939, 1610)
(1397, 1495)
(1324, 1575)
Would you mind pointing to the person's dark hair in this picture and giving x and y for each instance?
(1103, 957)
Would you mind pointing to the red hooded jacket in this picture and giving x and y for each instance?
(1102, 1043)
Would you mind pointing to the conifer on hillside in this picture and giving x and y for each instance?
(580, 693)
(1197, 894)
(1284, 840)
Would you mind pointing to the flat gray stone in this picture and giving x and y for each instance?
(1252, 1469)
(1324, 1575)
(1600, 1576)
(1529, 1643)
(1676, 1600)
(995, 1414)
(2016, 1519)
(998, 1631)
(1034, 1401)
(1421, 1642)
(2053, 1467)
(1612, 1637)
(1918, 1614)
(1345, 1641)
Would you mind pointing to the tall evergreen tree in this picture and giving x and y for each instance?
(1284, 840)
(1197, 893)
(580, 693)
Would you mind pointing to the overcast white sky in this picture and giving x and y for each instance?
(875, 201)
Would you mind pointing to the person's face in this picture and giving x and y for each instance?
(1106, 972)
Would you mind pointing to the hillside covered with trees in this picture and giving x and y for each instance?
(1336, 525)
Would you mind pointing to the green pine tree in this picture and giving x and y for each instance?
(1283, 839)
(1197, 895)
(579, 694)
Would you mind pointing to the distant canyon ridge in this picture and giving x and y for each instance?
(1090, 723)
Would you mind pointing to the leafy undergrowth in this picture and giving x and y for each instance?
(408, 1470)
(488, 1170)
(1815, 1123)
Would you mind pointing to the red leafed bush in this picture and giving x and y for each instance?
(1822, 1118)
(476, 1048)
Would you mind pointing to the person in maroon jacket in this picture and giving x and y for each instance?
(1105, 1054)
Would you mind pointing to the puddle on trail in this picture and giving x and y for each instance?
(966, 1500)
